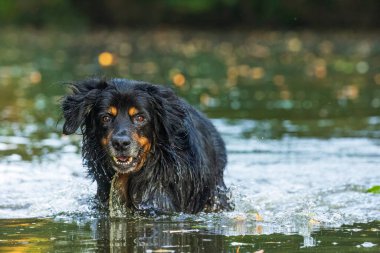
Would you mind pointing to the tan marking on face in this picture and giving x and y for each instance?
(132, 111)
(106, 140)
(112, 110)
(146, 145)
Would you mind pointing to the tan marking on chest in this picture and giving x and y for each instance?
(118, 195)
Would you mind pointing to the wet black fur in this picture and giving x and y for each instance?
(184, 169)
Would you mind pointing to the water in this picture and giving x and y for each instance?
(298, 112)
(46, 235)
(290, 193)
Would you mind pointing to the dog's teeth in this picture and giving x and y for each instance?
(124, 161)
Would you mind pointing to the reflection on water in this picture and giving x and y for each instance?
(149, 235)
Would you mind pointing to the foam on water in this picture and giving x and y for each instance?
(287, 184)
(41, 189)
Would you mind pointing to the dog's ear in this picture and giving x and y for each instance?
(77, 106)
(169, 115)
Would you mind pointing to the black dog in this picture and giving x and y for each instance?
(147, 147)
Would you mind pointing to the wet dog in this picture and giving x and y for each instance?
(147, 149)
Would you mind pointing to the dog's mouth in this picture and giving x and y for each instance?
(123, 160)
(125, 164)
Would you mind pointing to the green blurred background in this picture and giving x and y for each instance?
(195, 13)
(298, 68)
(269, 59)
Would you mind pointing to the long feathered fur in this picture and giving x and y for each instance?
(184, 169)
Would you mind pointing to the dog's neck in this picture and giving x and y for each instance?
(118, 199)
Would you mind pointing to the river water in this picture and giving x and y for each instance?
(299, 112)
(290, 187)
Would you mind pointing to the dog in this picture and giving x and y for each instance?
(147, 149)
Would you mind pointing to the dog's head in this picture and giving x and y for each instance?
(126, 119)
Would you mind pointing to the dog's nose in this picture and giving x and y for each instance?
(120, 142)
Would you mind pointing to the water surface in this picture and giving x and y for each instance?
(299, 113)
(290, 192)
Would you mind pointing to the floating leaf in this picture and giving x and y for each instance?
(374, 189)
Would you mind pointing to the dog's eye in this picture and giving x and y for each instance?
(106, 119)
(139, 118)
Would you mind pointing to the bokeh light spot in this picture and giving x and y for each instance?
(258, 73)
(377, 79)
(279, 80)
(320, 70)
(35, 77)
(348, 92)
(294, 45)
(362, 67)
(106, 59)
(285, 94)
(179, 80)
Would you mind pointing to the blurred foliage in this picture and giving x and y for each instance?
(282, 75)
(200, 13)
(40, 13)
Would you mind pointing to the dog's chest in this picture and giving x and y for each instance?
(118, 196)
